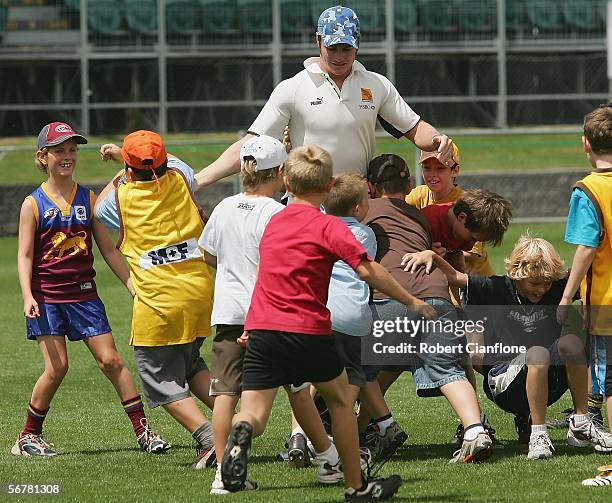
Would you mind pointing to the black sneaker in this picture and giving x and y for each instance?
(236, 457)
(486, 424)
(378, 489)
(323, 413)
(458, 438)
(297, 451)
(522, 425)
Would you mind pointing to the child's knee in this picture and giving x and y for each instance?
(570, 347)
(57, 371)
(110, 362)
(537, 356)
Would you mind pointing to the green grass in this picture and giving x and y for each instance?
(478, 153)
(99, 460)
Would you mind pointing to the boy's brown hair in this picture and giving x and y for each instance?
(487, 213)
(598, 129)
(389, 174)
(252, 179)
(308, 170)
(347, 192)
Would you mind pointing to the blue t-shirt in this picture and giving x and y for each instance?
(583, 226)
(349, 296)
(106, 210)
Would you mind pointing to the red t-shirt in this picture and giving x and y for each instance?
(296, 256)
(440, 231)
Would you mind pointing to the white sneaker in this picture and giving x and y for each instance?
(217, 486)
(540, 447)
(604, 478)
(586, 434)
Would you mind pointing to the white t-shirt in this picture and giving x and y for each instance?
(232, 234)
(343, 122)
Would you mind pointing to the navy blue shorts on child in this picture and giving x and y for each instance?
(76, 320)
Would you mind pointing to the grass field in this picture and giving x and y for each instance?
(478, 153)
(99, 460)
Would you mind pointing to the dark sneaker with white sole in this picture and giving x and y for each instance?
(236, 457)
(297, 451)
(377, 489)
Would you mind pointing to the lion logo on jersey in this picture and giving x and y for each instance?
(63, 244)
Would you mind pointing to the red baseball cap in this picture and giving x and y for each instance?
(144, 150)
(56, 133)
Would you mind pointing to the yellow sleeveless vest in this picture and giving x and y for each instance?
(159, 234)
(596, 287)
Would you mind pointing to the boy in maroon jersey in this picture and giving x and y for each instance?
(56, 275)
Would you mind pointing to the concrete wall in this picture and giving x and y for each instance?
(533, 195)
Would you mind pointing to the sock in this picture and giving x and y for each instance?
(537, 429)
(34, 422)
(578, 419)
(384, 422)
(330, 455)
(298, 429)
(135, 411)
(595, 403)
(472, 431)
(204, 435)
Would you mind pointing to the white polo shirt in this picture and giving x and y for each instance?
(343, 121)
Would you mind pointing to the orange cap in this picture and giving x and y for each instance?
(144, 150)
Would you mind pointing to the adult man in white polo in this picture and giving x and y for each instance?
(334, 103)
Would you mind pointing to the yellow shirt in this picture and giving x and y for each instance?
(159, 234)
(596, 287)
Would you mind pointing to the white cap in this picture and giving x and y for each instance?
(268, 152)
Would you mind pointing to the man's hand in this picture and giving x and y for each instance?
(444, 148)
(287, 139)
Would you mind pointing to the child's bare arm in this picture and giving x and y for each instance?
(211, 260)
(112, 256)
(583, 258)
(109, 186)
(25, 257)
(426, 258)
(379, 278)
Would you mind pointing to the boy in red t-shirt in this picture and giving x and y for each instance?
(289, 329)
(478, 215)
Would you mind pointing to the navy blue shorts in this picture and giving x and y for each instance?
(76, 320)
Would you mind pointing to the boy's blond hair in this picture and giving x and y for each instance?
(598, 129)
(308, 170)
(346, 193)
(42, 167)
(534, 258)
(487, 213)
(252, 179)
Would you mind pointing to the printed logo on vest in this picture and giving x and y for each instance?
(50, 213)
(80, 212)
(366, 95)
(88, 285)
(179, 252)
(317, 101)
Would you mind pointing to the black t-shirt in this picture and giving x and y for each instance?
(511, 320)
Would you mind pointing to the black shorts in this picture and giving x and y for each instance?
(349, 351)
(274, 358)
(506, 383)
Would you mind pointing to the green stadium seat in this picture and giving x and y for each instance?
(318, 6)
(218, 16)
(543, 14)
(405, 15)
(181, 16)
(371, 14)
(515, 14)
(295, 16)
(602, 11)
(255, 16)
(141, 15)
(477, 15)
(104, 16)
(73, 4)
(581, 15)
(436, 15)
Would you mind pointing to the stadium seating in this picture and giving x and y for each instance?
(371, 14)
(436, 15)
(141, 15)
(405, 15)
(73, 4)
(255, 16)
(3, 16)
(476, 15)
(515, 15)
(581, 15)
(543, 14)
(104, 16)
(296, 17)
(218, 16)
(181, 16)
